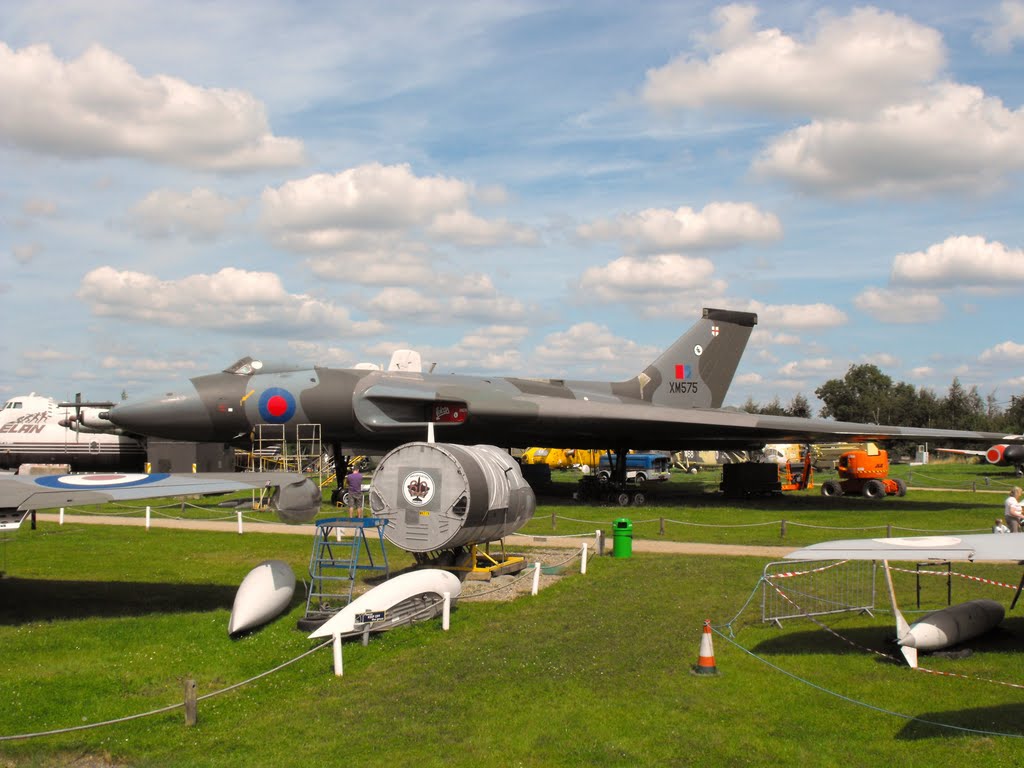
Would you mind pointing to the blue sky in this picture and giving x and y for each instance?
(530, 188)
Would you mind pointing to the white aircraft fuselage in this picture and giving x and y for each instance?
(33, 430)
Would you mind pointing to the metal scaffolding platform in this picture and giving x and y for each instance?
(271, 450)
(335, 562)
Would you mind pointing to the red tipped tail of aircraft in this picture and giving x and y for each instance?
(706, 659)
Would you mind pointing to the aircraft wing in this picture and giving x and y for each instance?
(975, 548)
(295, 498)
(703, 428)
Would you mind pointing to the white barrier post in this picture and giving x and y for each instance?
(239, 513)
(147, 517)
(597, 542)
(337, 655)
(447, 611)
(536, 579)
(61, 516)
(583, 559)
(337, 533)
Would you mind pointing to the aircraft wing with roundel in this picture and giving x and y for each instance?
(295, 498)
(979, 547)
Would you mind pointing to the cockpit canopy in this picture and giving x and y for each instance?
(247, 366)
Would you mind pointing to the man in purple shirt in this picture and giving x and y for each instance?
(355, 491)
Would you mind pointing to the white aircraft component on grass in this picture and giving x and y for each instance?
(264, 594)
(941, 629)
(949, 626)
(412, 596)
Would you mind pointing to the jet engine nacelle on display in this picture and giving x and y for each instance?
(438, 496)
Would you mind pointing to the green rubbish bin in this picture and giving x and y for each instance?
(622, 537)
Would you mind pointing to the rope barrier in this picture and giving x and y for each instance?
(954, 573)
(162, 710)
(882, 654)
(856, 702)
(771, 523)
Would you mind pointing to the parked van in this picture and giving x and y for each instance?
(640, 467)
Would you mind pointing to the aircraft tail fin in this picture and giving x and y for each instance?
(696, 371)
(902, 627)
(910, 654)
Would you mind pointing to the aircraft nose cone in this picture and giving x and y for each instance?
(174, 417)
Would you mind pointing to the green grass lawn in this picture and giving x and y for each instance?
(690, 508)
(101, 622)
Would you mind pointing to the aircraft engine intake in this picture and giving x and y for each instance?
(994, 455)
(297, 502)
(441, 496)
(1013, 454)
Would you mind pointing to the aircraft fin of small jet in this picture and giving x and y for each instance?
(910, 654)
(902, 627)
(696, 371)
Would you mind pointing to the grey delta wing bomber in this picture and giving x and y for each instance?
(675, 403)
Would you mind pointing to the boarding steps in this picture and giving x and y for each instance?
(335, 563)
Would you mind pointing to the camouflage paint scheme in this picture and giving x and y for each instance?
(675, 403)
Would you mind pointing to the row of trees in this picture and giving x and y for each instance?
(868, 396)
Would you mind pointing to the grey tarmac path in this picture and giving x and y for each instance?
(574, 542)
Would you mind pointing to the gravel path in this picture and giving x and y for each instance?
(639, 545)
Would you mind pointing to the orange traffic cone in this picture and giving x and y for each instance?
(706, 660)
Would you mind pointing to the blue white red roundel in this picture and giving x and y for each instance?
(105, 480)
(277, 405)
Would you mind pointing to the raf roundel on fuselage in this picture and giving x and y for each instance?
(277, 405)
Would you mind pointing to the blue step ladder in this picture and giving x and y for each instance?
(334, 563)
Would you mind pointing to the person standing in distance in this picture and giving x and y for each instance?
(1012, 510)
(355, 491)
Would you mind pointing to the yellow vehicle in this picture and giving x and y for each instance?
(561, 458)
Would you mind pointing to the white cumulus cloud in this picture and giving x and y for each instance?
(375, 205)
(890, 306)
(962, 261)
(1006, 352)
(465, 228)
(201, 214)
(802, 368)
(651, 280)
(843, 65)
(383, 266)
(99, 105)
(715, 225)
(472, 297)
(593, 343)
(953, 138)
(233, 299)
(775, 316)
(1006, 29)
(489, 348)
